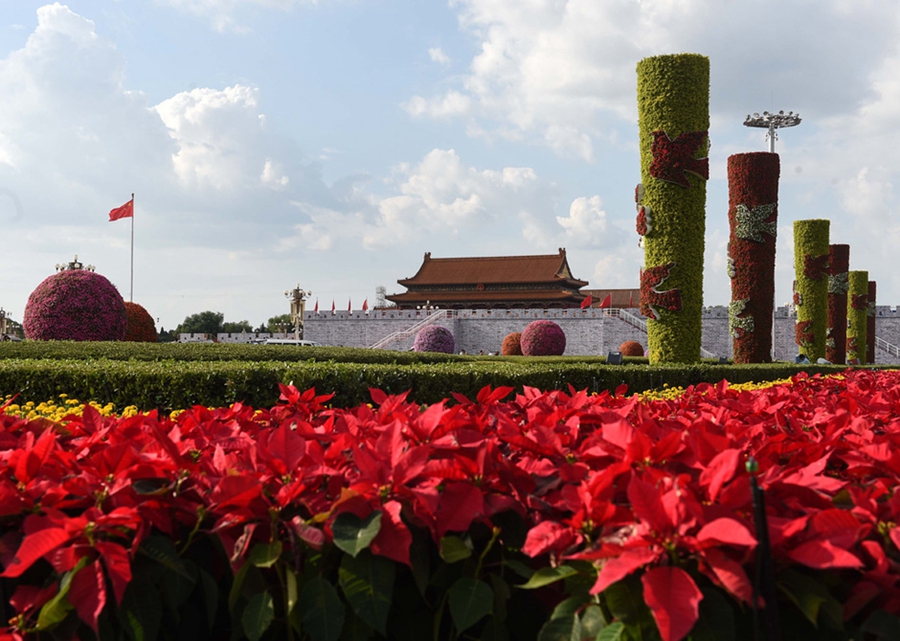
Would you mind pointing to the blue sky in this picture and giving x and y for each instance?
(333, 143)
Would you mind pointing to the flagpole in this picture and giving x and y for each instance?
(131, 291)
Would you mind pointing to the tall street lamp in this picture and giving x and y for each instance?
(298, 297)
(772, 122)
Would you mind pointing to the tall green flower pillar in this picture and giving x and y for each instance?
(836, 330)
(857, 316)
(673, 118)
(811, 286)
(752, 220)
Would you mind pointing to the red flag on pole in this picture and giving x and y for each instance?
(606, 302)
(349, 305)
(125, 211)
(332, 307)
(366, 305)
(586, 302)
(316, 310)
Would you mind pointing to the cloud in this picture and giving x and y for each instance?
(563, 73)
(437, 55)
(222, 13)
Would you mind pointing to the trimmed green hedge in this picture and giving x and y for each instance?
(169, 385)
(673, 101)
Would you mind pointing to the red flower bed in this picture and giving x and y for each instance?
(260, 514)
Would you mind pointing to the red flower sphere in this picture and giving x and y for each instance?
(77, 305)
(512, 345)
(140, 327)
(543, 338)
(631, 348)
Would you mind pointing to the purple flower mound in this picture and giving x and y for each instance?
(543, 338)
(434, 338)
(75, 305)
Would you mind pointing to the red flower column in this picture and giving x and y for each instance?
(836, 331)
(752, 219)
(870, 325)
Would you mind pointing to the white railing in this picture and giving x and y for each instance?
(411, 331)
(890, 348)
(641, 324)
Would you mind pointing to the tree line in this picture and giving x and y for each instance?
(210, 322)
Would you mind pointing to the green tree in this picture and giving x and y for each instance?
(203, 323)
(275, 323)
(237, 327)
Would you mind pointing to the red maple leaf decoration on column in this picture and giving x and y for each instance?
(859, 301)
(652, 299)
(802, 334)
(672, 158)
(815, 267)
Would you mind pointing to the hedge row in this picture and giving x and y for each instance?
(178, 385)
(123, 350)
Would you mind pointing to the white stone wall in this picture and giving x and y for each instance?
(588, 332)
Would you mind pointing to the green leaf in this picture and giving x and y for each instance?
(142, 610)
(55, 610)
(454, 549)
(210, 596)
(258, 616)
(264, 555)
(352, 534)
(519, 568)
(561, 629)
(367, 582)
(546, 576)
(236, 585)
(592, 621)
(884, 626)
(290, 580)
(470, 600)
(810, 596)
(612, 632)
(162, 550)
(322, 611)
(716, 622)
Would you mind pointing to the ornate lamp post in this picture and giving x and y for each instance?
(2, 324)
(75, 264)
(297, 296)
(772, 122)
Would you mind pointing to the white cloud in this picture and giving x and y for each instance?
(221, 13)
(453, 103)
(437, 55)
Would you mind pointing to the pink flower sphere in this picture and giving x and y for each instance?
(543, 338)
(75, 305)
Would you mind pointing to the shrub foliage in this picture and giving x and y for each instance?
(140, 328)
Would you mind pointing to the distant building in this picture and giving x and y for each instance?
(492, 282)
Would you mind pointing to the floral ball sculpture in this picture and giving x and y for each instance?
(512, 345)
(857, 316)
(870, 326)
(836, 330)
(752, 219)
(75, 304)
(631, 348)
(434, 338)
(140, 327)
(811, 286)
(673, 119)
(543, 338)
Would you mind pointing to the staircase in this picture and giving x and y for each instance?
(890, 348)
(641, 324)
(412, 331)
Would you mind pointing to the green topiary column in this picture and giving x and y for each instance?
(836, 329)
(857, 317)
(870, 325)
(752, 219)
(673, 118)
(811, 286)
